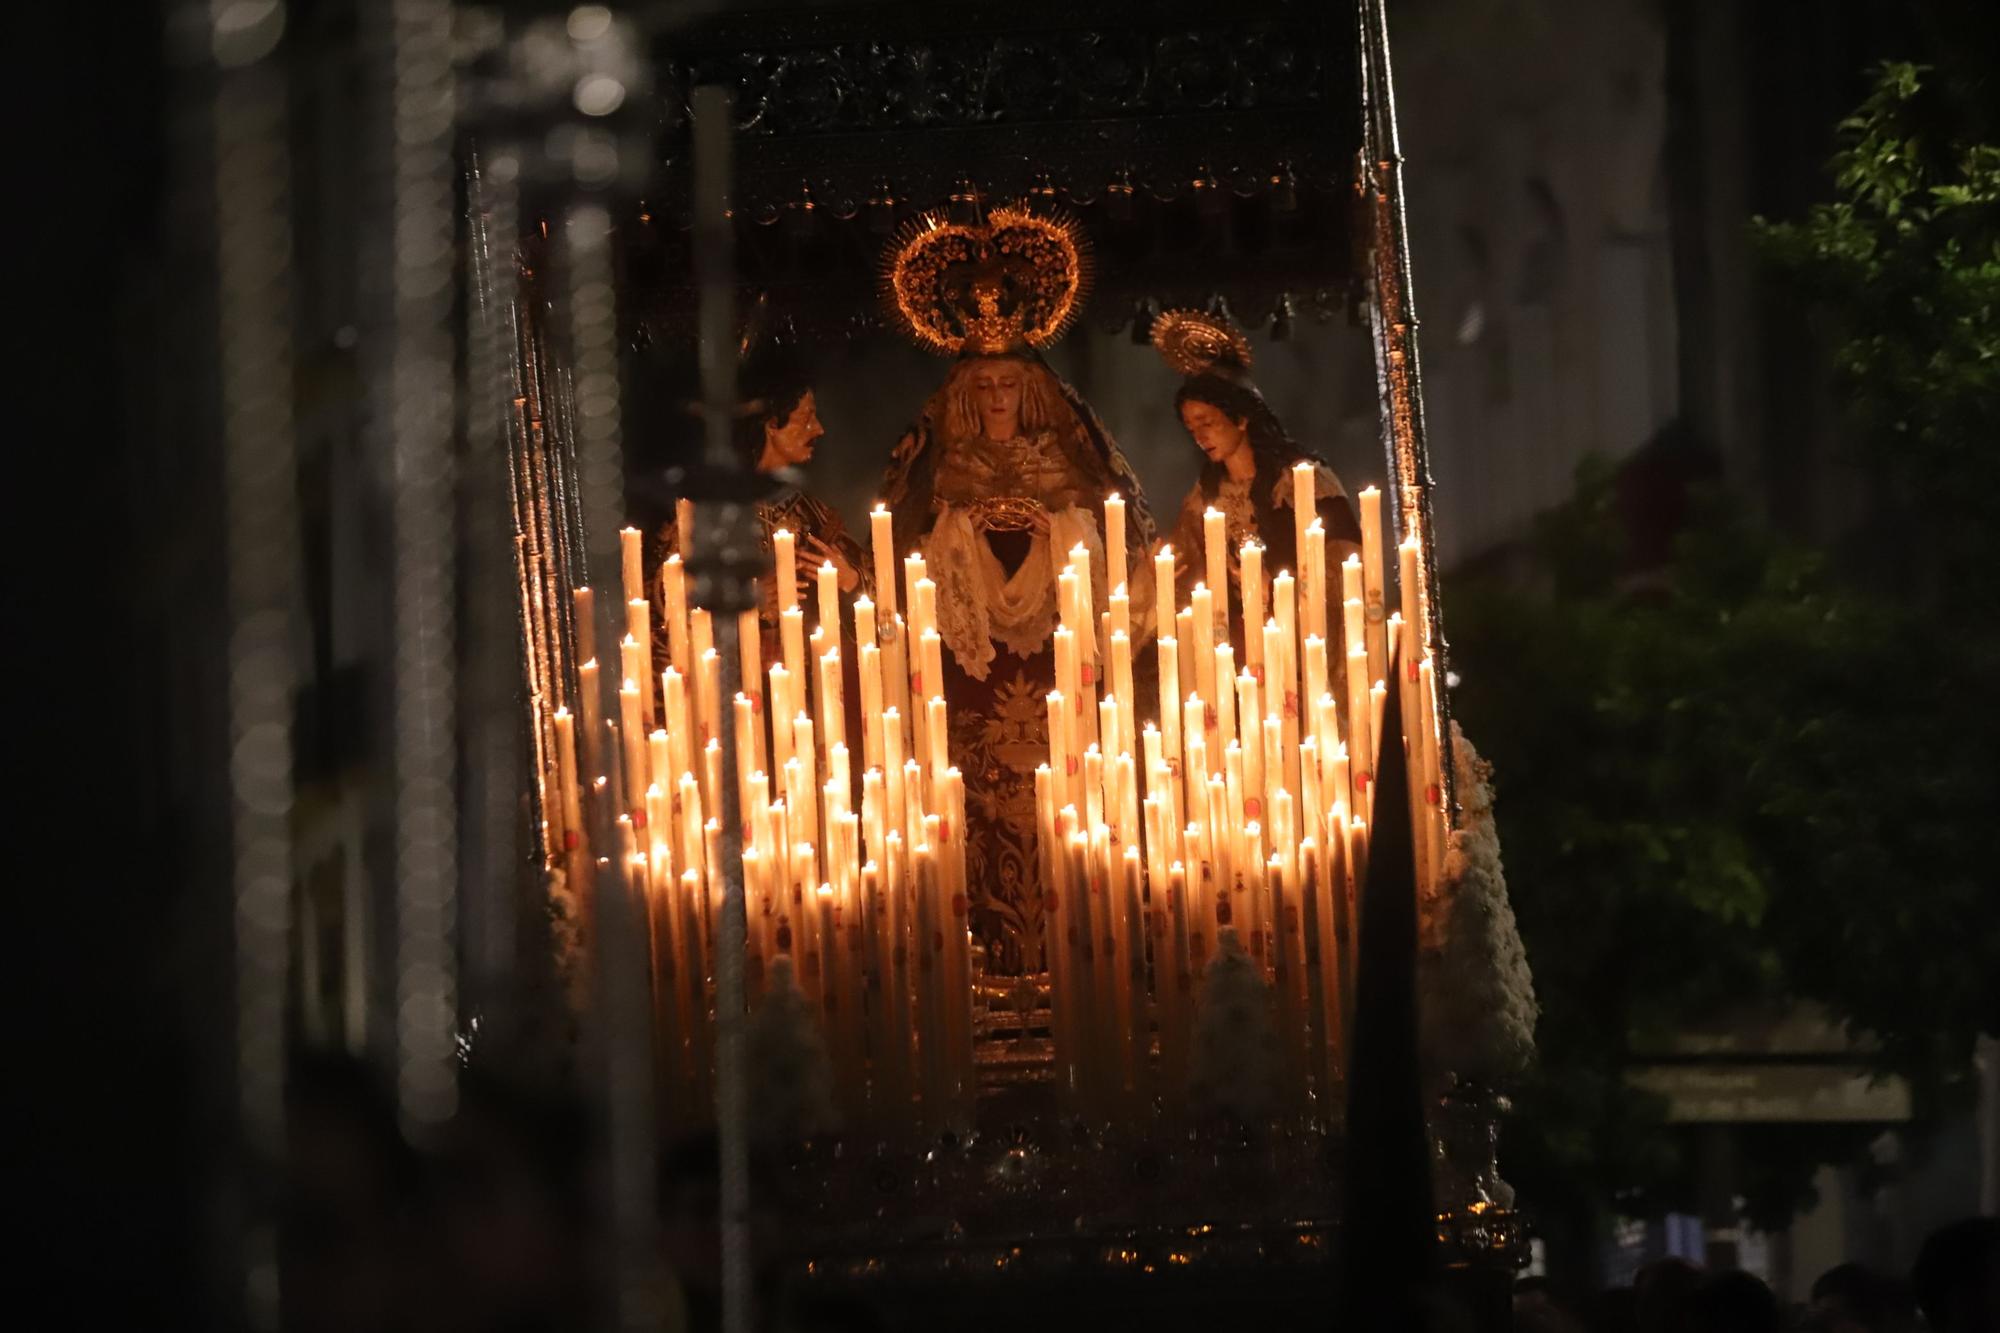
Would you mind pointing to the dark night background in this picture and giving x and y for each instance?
(119, 1135)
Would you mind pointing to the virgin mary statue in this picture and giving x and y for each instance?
(1004, 473)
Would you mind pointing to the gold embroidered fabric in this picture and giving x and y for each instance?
(1034, 468)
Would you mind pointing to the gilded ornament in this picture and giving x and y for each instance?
(1017, 280)
(1194, 343)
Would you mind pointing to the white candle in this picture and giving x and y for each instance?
(1061, 763)
(1122, 689)
(1352, 619)
(871, 706)
(1411, 591)
(632, 666)
(895, 811)
(1204, 650)
(1373, 597)
(829, 600)
(783, 707)
(1114, 541)
(659, 761)
(1250, 723)
(882, 532)
(569, 805)
(785, 564)
(832, 707)
(1225, 693)
(1215, 534)
(750, 659)
(1250, 557)
(1314, 687)
(1164, 600)
(632, 739)
(630, 550)
(1430, 767)
(1305, 506)
(1360, 736)
(589, 695)
(747, 773)
(639, 630)
(938, 732)
(1312, 619)
(913, 574)
(680, 731)
(673, 578)
(792, 640)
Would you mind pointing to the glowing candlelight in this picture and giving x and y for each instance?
(871, 705)
(569, 810)
(590, 695)
(1411, 589)
(673, 577)
(680, 736)
(639, 631)
(881, 529)
(829, 599)
(659, 761)
(1215, 535)
(785, 565)
(1373, 598)
(1250, 559)
(1305, 505)
(1061, 763)
(632, 666)
(632, 740)
(1430, 768)
(632, 563)
(1123, 691)
(1164, 600)
(750, 675)
(1312, 559)
(1353, 612)
(1314, 689)
(1114, 540)
(1251, 725)
(1224, 698)
(792, 643)
(1360, 735)
(1204, 652)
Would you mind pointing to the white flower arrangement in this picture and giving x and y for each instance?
(1477, 993)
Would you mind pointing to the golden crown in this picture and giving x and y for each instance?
(1195, 343)
(1015, 281)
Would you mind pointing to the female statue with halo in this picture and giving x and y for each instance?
(1249, 454)
(1004, 473)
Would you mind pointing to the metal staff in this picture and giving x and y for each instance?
(725, 560)
(1399, 378)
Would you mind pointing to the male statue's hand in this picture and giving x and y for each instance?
(819, 552)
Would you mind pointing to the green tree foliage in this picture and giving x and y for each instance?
(1902, 272)
(1750, 774)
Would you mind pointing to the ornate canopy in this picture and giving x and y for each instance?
(1208, 150)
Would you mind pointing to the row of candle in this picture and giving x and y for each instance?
(1255, 810)
(865, 891)
(1257, 797)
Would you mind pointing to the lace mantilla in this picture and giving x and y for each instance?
(979, 602)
